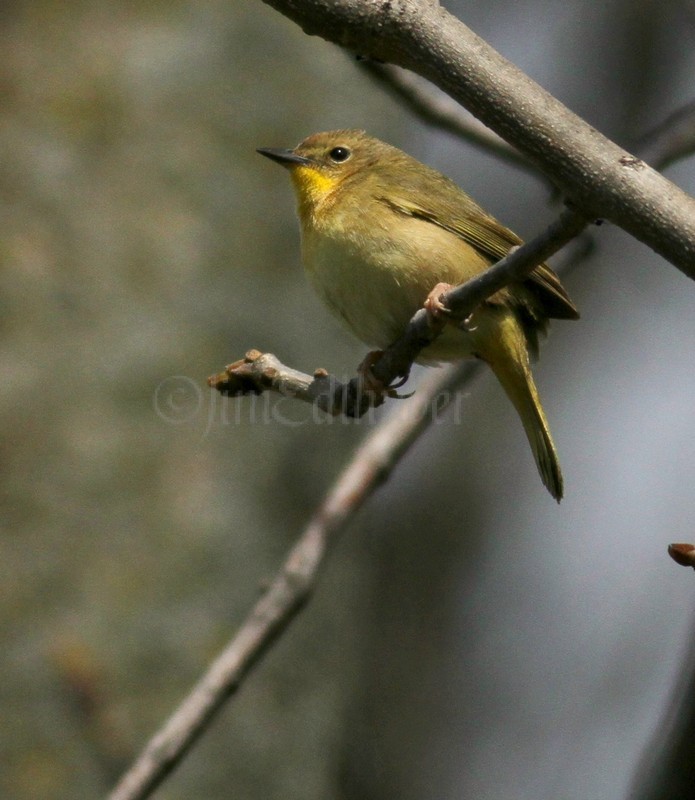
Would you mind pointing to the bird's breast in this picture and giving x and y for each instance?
(374, 277)
(365, 281)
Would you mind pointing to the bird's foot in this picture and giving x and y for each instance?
(433, 304)
(372, 385)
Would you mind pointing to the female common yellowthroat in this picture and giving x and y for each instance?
(379, 230)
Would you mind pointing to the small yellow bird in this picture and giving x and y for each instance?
(379, 230)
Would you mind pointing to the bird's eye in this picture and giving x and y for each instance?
(339, 154)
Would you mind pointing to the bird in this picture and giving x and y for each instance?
(383, 235)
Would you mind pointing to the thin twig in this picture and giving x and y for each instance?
(371, 465)
(671, 140)
(438, 109)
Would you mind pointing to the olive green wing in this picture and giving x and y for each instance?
(488, 236)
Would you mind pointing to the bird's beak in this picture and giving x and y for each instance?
(288, 158)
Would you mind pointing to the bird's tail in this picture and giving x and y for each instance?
(507, 355)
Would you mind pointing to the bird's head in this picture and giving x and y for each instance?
(324, 161)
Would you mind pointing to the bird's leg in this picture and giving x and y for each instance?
(433, 304)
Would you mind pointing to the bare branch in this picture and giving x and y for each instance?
(258, 372)
(443, 112)
(599, 177)
(291, 588)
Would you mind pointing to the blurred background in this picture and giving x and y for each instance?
(469, 637)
